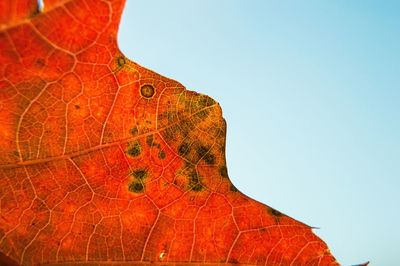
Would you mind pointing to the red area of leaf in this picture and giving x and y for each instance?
(104, 161)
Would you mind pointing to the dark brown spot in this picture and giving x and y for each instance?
(233, 188)
(161, 155)
(204, 153)
(136, 187)
(183, 149)
(134, 131)
(134, 150)
(194, 181)
(194, 178)
(77, 106)
(150, 140)
(223, 171)
(121, 61)
(274, 212)
(201, 151)
(147, 91)
(140, 174)
(197, 187)
(151, 143)
(40, 62)
(209, 158)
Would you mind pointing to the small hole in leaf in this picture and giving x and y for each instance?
(40, 4)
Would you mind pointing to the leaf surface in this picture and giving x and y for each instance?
(103, 161)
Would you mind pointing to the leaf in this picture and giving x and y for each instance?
(105, 161)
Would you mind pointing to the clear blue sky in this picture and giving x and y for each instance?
(311, 94)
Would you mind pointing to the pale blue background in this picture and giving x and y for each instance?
(311, 94)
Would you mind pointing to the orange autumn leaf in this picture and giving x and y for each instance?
(104, 161)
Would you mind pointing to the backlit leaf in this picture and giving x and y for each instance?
(104, 161)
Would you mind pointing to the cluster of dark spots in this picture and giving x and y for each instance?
(204, 153)
(150, 142)
(209, 158)
(233, 188)
(140, 173)
(147, 91)
(121, 61)
(223, 171)
(136, 187)
(274, 212)
(161, 154)
(134, 149)
(134, 131)
(183, 149)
